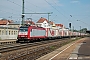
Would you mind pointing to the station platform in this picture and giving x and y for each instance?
(77, 50)
(8, 41)
(82, 51)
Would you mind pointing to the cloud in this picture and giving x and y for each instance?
(75, 1)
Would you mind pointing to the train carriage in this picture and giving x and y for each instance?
(52, 33)
(64, 32)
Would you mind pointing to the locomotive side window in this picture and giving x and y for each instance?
(23, 29)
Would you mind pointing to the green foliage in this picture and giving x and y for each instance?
(52, 47)
(83, 30)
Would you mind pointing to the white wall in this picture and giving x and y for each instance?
(8, 37)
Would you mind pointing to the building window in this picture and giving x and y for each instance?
(9, 32)
(6, 32)
(16, 32)
(12, 33)
(2, 32)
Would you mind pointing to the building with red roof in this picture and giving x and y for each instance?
(29, 22)
(42, 22)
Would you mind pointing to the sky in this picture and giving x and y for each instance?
(76, 12)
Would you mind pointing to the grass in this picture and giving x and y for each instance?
(64, 43)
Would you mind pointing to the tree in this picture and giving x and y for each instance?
(83, 30)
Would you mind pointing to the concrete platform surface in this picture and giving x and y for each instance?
(78, 50)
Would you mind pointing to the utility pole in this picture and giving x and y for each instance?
(23, 15)
(49, 15)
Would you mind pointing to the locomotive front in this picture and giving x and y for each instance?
(23, 33)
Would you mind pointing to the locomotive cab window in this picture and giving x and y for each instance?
(23, 29)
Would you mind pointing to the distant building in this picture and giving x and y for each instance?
(5, 21)
(29, 22)
(59, 25)
(43, 22)
(8, 29)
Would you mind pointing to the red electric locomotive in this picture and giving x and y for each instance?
(30, 33)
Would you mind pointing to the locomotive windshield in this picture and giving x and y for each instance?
(23, 29)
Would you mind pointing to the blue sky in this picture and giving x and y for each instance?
(62, 9)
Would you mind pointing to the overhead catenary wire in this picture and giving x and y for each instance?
(61, 9)
(36, 7)
(73, 15)
(8, 12)
(81, 20)
(56, 9)
(9, 8)
(19, 5)
(33, 4)
(13, 13)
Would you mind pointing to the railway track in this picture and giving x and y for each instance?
(30, 50)
(10, 47)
